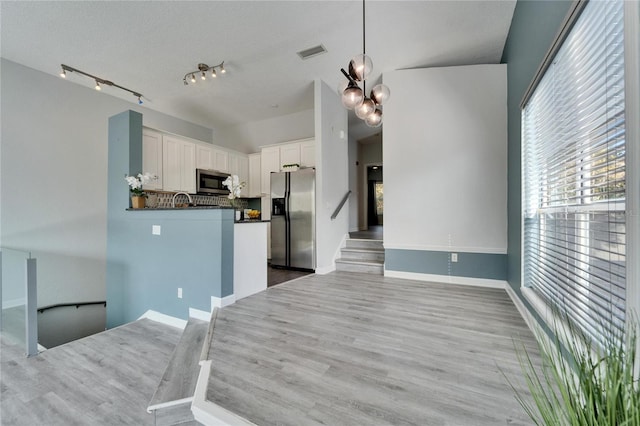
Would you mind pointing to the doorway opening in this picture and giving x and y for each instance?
(373, 204)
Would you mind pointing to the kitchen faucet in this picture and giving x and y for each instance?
(173, 201)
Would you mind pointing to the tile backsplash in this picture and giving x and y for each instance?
(163, 200)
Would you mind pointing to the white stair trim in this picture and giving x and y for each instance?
(207, 412)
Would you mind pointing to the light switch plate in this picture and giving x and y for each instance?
(155, 229)
(454, 257)
(179, 292)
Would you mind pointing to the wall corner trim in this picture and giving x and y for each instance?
(221, 302)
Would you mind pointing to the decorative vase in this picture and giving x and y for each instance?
(137, 202)
(238, 215)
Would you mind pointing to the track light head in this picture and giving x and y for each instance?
(98, 85)
(193, 78)
(63, 73)
(139, 99)
(203, 75)
(213, 73)
(222, 70)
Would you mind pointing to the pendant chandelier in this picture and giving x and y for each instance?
(353, 97)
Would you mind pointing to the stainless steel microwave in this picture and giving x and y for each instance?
(210, 182)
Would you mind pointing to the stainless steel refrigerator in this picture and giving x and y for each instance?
(293, 224)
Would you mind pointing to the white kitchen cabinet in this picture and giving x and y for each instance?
(188, 175)
(204, 157)
(269, 162)
(152, 157)
(308, 153)
(289, 154)
(239, 165)
(178, 164)
(220, 160)
(243, 174)
(254, 175)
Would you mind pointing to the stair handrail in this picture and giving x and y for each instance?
(76, 304)
(344, 200)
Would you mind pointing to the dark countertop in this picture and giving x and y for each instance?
(182, 208)
(252, 221)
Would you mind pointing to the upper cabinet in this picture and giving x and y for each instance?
(308, 153)
(254, 175)
(204, 157)
(289, 154)
(152, 157)
(269, 162)
(239, 165)
(221, 160)
(174, 160)
(178, 164)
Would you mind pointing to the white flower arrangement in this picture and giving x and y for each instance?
(235, 187)
(136, 182)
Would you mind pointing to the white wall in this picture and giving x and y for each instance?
(54, 177)
(445, 159)
(332, 175)
(249, 137)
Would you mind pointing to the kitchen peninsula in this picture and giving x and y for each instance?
(172, 260)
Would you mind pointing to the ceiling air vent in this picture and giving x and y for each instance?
(312, 51)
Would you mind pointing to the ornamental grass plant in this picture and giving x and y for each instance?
(582, 382)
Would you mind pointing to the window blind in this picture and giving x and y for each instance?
(573, 144)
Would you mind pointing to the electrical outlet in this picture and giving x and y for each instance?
(155, 229)
(454, 257)
(179, 292)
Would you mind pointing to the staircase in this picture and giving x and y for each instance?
(364, 256)
(171, 403)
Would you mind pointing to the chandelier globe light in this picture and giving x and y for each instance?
(353, 97)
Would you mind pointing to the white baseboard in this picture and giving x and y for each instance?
(164, 319)
(326, 269)
(208, 413)
(12, 303)
(448, 279)
(524, 312)
(221, 302)
(198, 314)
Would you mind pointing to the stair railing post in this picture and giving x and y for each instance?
(31, 307)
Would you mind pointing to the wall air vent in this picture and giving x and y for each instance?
(312, 51)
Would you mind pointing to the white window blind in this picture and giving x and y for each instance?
(573, 141)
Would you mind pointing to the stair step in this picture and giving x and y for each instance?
(178, 383)
(362, 254)
(367, 267)
(356, 243)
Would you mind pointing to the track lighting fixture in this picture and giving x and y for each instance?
(355, 98)
(202, 69)
(99, 81)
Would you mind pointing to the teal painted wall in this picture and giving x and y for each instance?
(194, 250)
(469, 265)
(533, 28)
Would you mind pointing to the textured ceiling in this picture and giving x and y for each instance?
(148, 46)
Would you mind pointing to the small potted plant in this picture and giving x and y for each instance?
(138, 195)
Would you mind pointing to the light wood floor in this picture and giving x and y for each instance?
(104, 379)
(350, 349)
